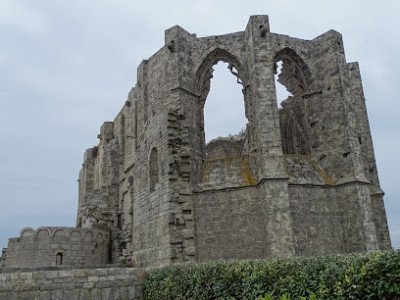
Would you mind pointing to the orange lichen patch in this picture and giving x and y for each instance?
(326, 178)
(206, 171)
(238, 166)
(307, 156)
(246, 173)
(322, 173)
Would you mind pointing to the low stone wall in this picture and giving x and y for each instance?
(73, 284)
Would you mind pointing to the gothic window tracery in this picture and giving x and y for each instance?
(295, 77)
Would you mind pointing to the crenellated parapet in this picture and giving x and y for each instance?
(57, 246)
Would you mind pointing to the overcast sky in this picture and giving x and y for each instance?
(67, 66)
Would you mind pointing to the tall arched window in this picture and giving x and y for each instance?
(292, 72)
(224, 113)
(153, 169)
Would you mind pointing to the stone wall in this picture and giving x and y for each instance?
(300, 179)
(316, 212)
(230, 224)
(55, 246)
(74, 284)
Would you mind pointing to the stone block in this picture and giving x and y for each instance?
(63, 274)
(51, 274)
(88, 285)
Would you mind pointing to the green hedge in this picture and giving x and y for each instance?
(374, 275)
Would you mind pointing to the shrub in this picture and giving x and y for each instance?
(374, 275)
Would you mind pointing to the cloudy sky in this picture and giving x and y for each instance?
(67, 66)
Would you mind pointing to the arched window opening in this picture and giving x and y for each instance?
(153, 169)
(224, 112)
(292, 85)
(59, 259)
(282, 93)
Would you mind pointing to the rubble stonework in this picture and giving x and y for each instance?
(301, 179)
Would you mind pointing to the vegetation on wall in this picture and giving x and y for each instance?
(374, 275)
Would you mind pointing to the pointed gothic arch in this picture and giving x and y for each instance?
(296, 77)
(205, 70)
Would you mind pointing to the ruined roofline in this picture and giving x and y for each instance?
(179, 31)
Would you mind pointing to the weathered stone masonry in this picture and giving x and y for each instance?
(74, 284)
(301, 179)
(58, 246)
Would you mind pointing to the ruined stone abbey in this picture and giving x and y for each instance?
(301, 180)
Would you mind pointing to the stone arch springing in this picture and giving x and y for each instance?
(153, 167)
(295, 76)
(204, 73)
